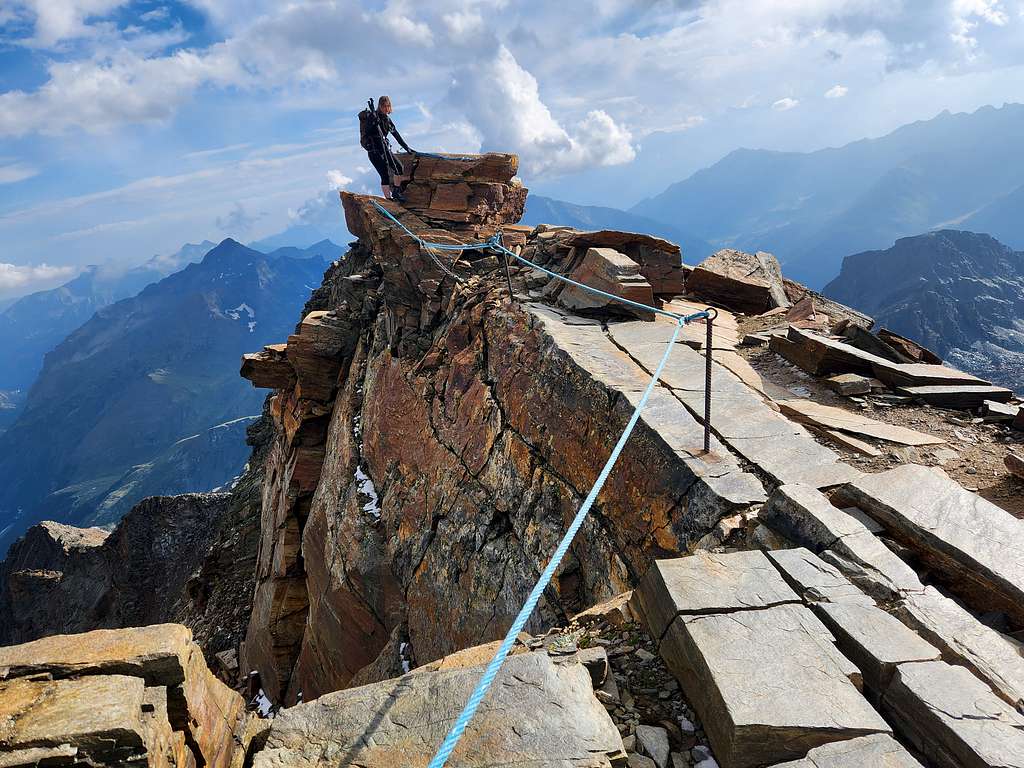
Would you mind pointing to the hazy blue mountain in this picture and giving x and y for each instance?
(811, 209)
(959, 293)
(33, 325)
(141, 376)
(316, 220)
(544, 210)
(1002, 218)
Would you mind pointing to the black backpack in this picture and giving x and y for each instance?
(367, 129)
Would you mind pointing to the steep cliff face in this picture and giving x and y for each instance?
(434, 436)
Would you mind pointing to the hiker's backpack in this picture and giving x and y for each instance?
(368, 137)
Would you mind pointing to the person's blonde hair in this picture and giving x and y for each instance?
(383, 101)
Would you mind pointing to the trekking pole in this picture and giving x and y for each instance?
(708, 348)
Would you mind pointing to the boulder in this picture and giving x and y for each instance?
(1015, 464)
(960, 396)
(743, 282)
(993, 411)
(539, 714)
(863, 339)
(611, 272)
(660, 261)
(849, 384)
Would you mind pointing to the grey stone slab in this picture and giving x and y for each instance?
(953, 719)
(806, 516)
(976, 546)
(814, 579)
(538, 714)
(877, 751)
(873, 640)
(727, 485)
(961, 637)
(740, 415)
(768, 684)
(709, 583)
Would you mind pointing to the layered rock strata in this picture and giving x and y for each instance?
(117, 697)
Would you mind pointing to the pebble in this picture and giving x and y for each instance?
(644, 655)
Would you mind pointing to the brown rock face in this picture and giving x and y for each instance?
(116, 697)
(434, 448)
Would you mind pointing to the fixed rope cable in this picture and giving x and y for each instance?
(491, 672)
(494, 244)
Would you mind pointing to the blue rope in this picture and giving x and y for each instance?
(448, 745)
(494, 244)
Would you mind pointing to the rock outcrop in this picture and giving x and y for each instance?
(431, 445)
(117, 697)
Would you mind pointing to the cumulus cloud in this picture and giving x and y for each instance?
(15, 278)
(783, 105)
(58, 20)
(501, 100)
(836, 92)
(337, 179)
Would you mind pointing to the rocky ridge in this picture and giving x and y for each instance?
(429, 436)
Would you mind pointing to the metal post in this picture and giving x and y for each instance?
(508, 275)
(708, 349)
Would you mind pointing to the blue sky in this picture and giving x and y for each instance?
(129, 128)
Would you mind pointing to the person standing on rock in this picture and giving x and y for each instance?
(375, 125)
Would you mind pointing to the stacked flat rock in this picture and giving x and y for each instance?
(116, 697)
(463, 189)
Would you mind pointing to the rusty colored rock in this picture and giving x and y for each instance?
(744, 282)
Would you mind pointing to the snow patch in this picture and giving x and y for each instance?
(262, 705)
(367, 489)
(236, 314)
(402, 650)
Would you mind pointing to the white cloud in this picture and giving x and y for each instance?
(337, 179)
(59, 20)
(782, 105)
(836, 92)
(14, 172)
(27, 277)
(501, 100)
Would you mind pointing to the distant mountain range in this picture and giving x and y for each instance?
(544, 210)
(33, 325)
(959, 293)
(812, 209)
(137, 400)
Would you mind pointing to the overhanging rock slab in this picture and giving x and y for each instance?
(768, 684)
(539, 714)
(977, 547)
(708, 583)
(953, 719)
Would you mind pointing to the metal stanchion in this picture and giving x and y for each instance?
(708, 349)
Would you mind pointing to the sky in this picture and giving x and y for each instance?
(129, 128)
